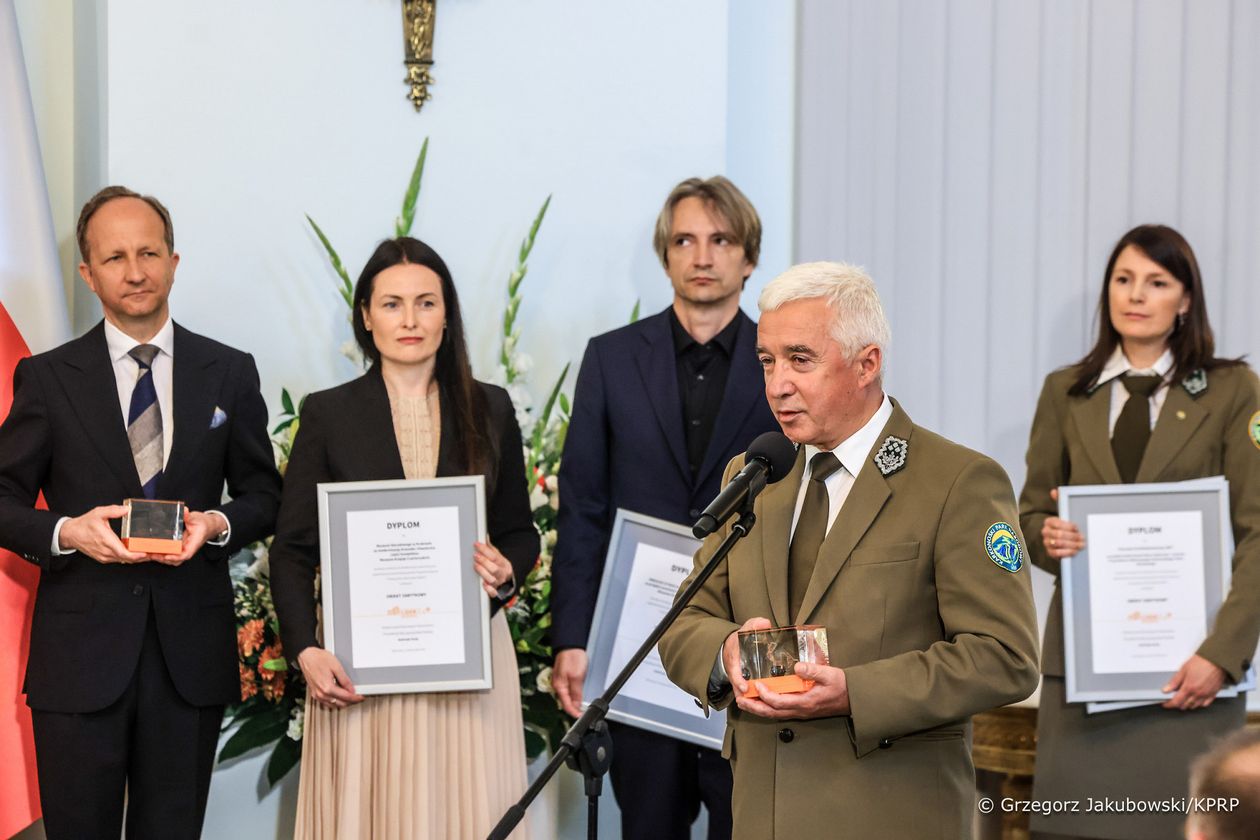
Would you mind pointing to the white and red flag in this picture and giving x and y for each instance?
(32, 319)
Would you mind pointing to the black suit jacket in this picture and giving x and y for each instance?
(626, 448)
(347, 434)
(65, 436)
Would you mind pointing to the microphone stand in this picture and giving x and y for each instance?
(587, 746)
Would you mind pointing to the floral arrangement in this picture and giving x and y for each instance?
(273, 700)
(529, 614)
(272, 697)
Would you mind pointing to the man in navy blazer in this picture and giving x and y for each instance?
(660, 407)
(132, 655)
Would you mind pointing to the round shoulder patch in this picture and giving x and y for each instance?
(1003, 547)
(1253, 429)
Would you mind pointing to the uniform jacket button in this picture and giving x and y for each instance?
(786, 735)
(885, 743)
(138, 589)
(693, 513)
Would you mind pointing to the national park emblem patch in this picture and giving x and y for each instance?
(1003, 547)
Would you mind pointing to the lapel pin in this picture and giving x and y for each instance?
(1196, 382)
(891, 455)
(1181, 415)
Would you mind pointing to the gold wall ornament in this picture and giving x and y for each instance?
(418, 16)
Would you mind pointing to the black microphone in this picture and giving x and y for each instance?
(768, 459)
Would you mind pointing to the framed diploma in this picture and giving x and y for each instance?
(404, 610)
(647, 561)
(1143, 594)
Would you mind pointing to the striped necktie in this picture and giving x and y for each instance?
(144, 422)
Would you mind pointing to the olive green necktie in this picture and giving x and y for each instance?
(811, 527)
(1133, 426)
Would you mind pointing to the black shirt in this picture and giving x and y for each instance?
(702, 373)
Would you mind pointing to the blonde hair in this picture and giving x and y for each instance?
(858, 316)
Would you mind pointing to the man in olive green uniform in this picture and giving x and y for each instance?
(907, 550)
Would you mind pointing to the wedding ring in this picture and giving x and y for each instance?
(1053, 542)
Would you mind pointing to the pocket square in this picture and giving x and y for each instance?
(219, 418)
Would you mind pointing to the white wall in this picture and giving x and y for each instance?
(242, 116)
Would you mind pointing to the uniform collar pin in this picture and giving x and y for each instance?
(891, 455)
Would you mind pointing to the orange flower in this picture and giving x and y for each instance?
(249, 637)
(269, 653)
(249, 686)
(272, 681)
(274, 690)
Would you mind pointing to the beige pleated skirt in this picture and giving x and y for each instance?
(416, 766)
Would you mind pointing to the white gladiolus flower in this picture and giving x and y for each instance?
(543, 680)
(296, 723)
(550, 538)
(553, 483)
(524, 421)
(538, 498)
(520, 395)
(522, 362)
(260, 569)
(352, 352)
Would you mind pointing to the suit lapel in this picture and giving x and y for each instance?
(196, 378)
(658, 367)
(744, 387)
(1091, 414)
(778, 503)
(88, 376)
(866, 499)
(1178, 420)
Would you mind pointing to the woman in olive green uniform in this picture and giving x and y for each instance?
(1149, 403)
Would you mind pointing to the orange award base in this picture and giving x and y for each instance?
(153, 546)
(791, 684)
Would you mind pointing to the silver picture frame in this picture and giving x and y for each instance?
(469, 665)
(1208, 496)
(680, 717)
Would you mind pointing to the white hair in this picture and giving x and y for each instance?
(858, 316)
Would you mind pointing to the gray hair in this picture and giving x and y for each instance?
(858, 316)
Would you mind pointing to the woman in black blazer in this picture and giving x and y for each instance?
(409, 765)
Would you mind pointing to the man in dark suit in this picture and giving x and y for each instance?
(132, 656)
(660, 406)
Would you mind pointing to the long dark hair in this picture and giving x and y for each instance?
(1191, 342)
(459, 392)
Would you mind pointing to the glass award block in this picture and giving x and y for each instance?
(770, 656)
(153, 526)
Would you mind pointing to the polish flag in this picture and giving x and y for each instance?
(32, 319)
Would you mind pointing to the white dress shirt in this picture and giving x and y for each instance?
(853, 453)
(126, 373)
(1117, 366)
